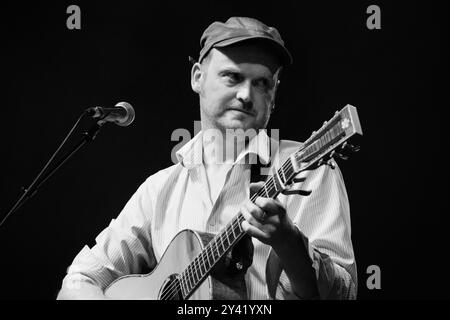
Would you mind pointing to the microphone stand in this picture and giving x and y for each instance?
(41, 178)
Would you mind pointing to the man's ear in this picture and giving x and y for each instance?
(272, 107)
(196, 77)
(276, 76)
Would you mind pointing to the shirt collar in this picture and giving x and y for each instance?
(191, 154)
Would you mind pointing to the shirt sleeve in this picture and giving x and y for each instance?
(324, 221)
(124, 247)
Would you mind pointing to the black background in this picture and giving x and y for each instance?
(137, 52)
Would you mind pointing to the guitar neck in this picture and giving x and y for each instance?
(320, 145)
(202, 265)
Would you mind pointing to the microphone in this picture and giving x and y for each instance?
(122, 114)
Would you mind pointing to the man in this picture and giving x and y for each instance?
(301, 245)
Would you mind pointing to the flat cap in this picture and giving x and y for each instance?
(237, 29)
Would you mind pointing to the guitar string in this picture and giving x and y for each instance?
(172, 290)
(209, 250)
(235, 226)
(196, 264)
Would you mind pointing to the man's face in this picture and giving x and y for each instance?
(237, 87)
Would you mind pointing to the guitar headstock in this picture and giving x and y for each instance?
(331, 140)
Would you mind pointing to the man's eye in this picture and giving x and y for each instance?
(264, 84)
(233, 77)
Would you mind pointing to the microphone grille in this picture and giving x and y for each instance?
(130, 114)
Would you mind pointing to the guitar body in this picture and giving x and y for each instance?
(223, 283)
(190, 253)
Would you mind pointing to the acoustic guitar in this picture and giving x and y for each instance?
(198, 265)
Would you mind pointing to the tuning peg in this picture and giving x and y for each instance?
(350, 147)
(297, 180)
(289, 192)
(336, 113)
(353, 148)
(331, 164)
(341, 156)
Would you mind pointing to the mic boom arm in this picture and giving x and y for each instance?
(122, 114)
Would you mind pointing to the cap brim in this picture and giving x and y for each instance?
(282, 52)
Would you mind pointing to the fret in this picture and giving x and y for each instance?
(339, 131)
(282, 176)
(273, 189)
(294, 162)
(277, 183)
(332, 136)
(217, 250)
(269, 187)
(261, 193)
(232, 229)
(317, 144)
(336, 131)
(221, 241)
(307, 151)
(323, 141)
(331, 133)
(189, 284)
(289, 170)
(265, 190)
(203, 264)
(240, 217)
(220, 249)
(183, 286)
(226, 237)
(312, 148)
(210, 253)
(194, 274)
(207, 257)
(230, 232)
(238, 228)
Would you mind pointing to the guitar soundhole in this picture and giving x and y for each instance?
(171, 289)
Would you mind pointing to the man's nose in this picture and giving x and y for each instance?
(244, 93)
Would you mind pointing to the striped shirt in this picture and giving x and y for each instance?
(178, 198)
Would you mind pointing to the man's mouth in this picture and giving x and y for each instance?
(242, 110)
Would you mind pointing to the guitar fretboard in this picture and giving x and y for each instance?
(201, 266)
